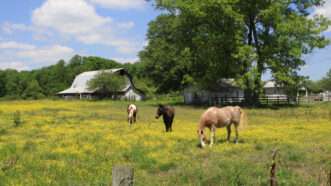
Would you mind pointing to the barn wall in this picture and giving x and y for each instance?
(132, 95)
(274, 91)
(192, 96)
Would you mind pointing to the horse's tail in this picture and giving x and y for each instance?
(243, 119)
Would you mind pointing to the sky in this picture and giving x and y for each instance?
(37, 33)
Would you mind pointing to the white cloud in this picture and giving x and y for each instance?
(126, 25)
(22, 56)
(78, 19)
(68, 16)
(125, 60)
(324, 10)
(120, 4)
(62, 21)
(15, 45)
(9, 28)
(13, 65)
(39, 32)
(49, 54)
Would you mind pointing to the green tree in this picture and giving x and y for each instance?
(32, 90)
(325, 82)
(107, 83)
(192, 42)
(235, 38)
(2, 83)
(13, 86)
(314, 86)
(280, 33)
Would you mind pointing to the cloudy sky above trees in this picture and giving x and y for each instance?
(36, 33)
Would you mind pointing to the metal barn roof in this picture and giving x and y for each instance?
(80, 83)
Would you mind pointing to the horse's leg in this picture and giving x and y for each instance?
(237, 133)
(166, 126)
(134, 117)
(212, 135)
(228, 129)
(203, 144)
(170, 125)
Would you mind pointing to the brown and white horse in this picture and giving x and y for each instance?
(215, 117)
(132, 113)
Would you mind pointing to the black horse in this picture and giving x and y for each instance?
(168, 114)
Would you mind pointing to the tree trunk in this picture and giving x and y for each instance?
(259, 65)
(248, 92)
(252, 94)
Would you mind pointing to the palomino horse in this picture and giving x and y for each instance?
(132, 113)
(168, 114)
(215, 117)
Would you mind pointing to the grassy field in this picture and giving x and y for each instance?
(78, 142)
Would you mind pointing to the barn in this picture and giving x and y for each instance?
(225, 90)
(272, 90)
(79, 88)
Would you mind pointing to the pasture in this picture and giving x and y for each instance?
(78, 142)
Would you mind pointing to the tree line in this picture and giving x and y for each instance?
(48, 81)
(323, 84)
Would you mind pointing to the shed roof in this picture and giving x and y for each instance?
(80, 83)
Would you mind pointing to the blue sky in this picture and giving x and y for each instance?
(36, 33)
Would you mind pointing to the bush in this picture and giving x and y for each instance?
(17, 118)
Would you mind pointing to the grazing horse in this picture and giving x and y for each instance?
(168, 114)
(132, 113)
(215, 117)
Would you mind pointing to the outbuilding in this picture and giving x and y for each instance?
(224, 91)
(79, 88)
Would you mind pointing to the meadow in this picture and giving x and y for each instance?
(77, 143)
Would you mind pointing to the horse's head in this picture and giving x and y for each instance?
(159, 111)
(202, 137)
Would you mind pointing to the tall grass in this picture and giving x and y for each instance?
(77, 143)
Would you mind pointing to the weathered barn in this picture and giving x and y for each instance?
(79, 88)
(224, 90)
(272, 89)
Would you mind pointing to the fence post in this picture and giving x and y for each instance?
(330, 177)
(122, 176)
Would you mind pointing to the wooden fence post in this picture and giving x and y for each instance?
(273, 178)
(122, 176)
(329, 178)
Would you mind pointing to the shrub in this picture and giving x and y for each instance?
(17, 118)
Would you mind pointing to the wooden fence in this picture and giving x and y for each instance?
(270, 100)
(275, 100)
